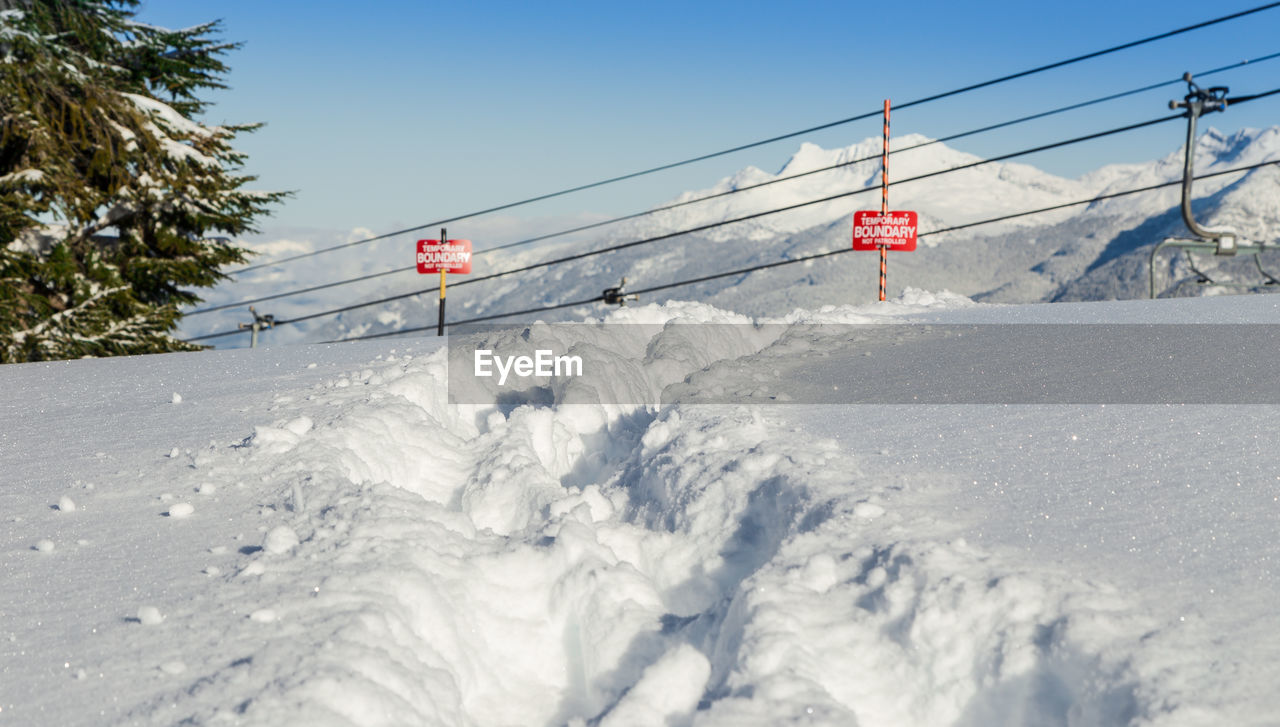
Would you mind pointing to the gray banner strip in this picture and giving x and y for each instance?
(866, 364)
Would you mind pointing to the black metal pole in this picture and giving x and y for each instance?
(443, 241)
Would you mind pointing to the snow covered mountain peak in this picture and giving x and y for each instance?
(1246, 146)
(1214, 148)
(853, 174)
(868, 152)
(1215, 152)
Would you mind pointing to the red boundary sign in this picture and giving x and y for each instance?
(895, 231)
(454, 256)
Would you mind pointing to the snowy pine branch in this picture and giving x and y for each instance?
(97, 131)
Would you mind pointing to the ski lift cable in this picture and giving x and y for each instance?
(806, 258)
(736, 190)
(712, 225)
(781, 137)
(548, 263)
(1245, 99)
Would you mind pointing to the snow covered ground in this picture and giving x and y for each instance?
(314, 535)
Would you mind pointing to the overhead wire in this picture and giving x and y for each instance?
(803, 258)
(708, 226)
(721, 223)
(1253, 97)
(781, 137)
(735, 190)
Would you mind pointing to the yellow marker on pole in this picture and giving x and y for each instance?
(444, 238)
(444, 256)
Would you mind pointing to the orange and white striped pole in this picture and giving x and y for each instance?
(884, 199)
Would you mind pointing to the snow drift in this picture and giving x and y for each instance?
(315, 535)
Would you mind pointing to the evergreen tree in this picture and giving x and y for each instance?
(112, 198)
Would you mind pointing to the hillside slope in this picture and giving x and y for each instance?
(313, 534)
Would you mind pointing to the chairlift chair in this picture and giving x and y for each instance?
(1221, 241)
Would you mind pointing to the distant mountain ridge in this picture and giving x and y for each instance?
(995, 188)
(1094, 251)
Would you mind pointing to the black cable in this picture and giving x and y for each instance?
(708, 226)
(480, 319)
(300, 291)
(701, 228)
(737, 190)
(815, 256)
(754, 215)
(770, 140)
(953, 228)
(1245, 99)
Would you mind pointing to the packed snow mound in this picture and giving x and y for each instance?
(362, 552)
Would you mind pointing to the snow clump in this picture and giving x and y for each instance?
(149, 616)
(181, 510)
(280, 539)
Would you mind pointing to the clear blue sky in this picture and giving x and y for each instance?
(388, 113)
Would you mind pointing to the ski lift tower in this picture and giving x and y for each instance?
(1221, 241)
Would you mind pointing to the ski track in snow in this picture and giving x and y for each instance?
(352, 549)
